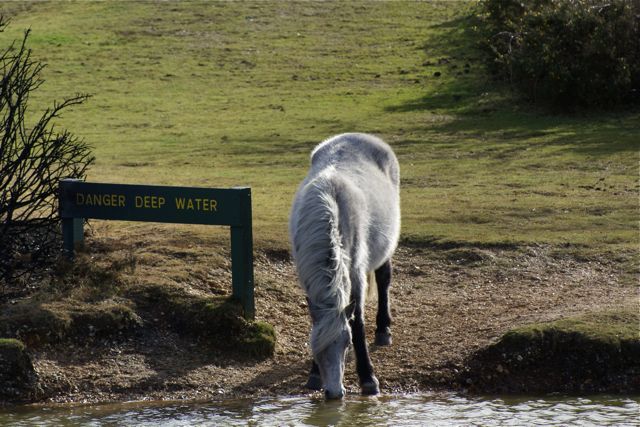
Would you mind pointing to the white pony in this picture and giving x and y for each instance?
(344, 224)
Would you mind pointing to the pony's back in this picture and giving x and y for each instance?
(360, 174)
(352, 150)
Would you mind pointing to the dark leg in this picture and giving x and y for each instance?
(383, 319)
(314, 382)
(368, 382)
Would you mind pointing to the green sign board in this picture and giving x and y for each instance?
(185, 205)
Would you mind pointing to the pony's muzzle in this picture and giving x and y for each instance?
(335, 394)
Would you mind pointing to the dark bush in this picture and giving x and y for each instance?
(33, 158)
(568, 53)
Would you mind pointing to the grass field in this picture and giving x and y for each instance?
(225, 94)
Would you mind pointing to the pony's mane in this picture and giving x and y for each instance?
(321, 261)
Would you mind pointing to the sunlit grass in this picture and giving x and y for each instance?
(225, 94)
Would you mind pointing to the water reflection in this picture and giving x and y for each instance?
(386, 410)
(356, 411)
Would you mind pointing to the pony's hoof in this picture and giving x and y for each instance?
(383, 338)
(314, 382)
(370, 388)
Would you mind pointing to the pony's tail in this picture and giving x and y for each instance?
(340, 260)
(323, 266)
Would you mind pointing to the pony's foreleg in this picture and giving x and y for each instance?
(368, 382)
(383, 319)
(315, 381)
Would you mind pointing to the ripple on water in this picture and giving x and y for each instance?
(387, 410)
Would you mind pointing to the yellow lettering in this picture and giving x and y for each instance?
(208, 205)
(146, 202)
(112, 200)
(154, 202)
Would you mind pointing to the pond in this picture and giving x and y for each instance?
(386, 410)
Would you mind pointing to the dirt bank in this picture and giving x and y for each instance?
(448, 302)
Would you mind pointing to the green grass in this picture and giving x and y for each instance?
(612, 328)
(226, 94)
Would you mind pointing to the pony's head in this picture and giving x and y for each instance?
(330, 350)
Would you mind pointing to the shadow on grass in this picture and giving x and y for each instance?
(438, 244)
(481, 107)
(458, 79)
(596, 134)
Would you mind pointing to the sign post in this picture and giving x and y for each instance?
(184, 205)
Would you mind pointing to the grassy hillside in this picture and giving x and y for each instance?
(225, 94)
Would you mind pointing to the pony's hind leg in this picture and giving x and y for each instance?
(368, 382)
(315, 381)
(383, 319)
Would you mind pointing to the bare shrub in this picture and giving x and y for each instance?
(33, 159)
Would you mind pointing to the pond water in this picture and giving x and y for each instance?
(386, 410)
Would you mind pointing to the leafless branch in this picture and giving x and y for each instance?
(33, 159)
